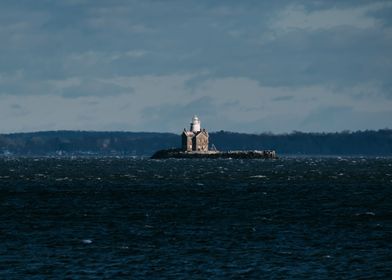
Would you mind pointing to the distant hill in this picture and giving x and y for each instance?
(146, 143)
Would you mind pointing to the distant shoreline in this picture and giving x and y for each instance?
(144, 144)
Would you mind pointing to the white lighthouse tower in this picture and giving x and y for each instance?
(195, 124)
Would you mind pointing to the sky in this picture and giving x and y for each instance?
(246, 66)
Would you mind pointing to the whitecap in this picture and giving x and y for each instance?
(62, 179)
(87, 241)
(129, 176)
(258, 176)
(369, 213)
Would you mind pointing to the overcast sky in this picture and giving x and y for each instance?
(247, 66)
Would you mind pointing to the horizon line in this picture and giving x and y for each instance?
(213, 132)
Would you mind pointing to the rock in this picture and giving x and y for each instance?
(178, 153)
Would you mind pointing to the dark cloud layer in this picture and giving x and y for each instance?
(79, 48)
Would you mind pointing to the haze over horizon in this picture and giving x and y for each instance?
(244, 66)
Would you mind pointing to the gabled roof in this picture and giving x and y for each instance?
(188, 133)
(202, 132)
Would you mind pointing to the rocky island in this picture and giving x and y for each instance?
(178, 153)
(195, 144)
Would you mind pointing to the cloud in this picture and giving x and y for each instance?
(72, 87)
(163, 103)
(298, 17)
(146, 65)
(276, 44)
(339, 118)
(16, 106)
(283, 98)
(95, 87)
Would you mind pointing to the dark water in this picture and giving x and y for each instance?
(124, 218)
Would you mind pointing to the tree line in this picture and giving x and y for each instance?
(369, 142)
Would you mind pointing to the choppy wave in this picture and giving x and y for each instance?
(124, 218)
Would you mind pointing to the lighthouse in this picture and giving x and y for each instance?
(196, 139)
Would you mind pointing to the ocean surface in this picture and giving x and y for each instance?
(124, 218)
